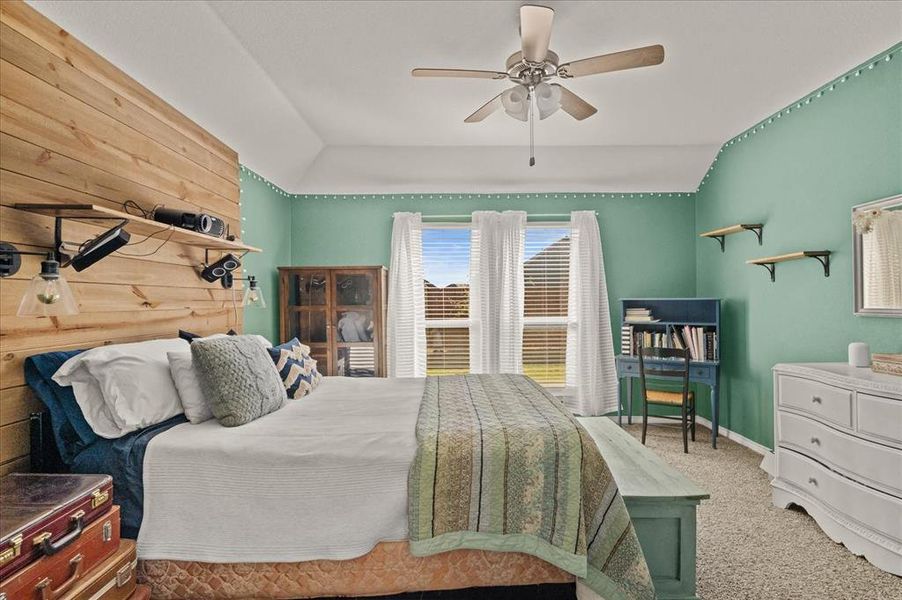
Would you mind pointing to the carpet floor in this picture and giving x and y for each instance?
(748, 549)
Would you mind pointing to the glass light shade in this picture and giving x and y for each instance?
(548, 99)
(253, 296)
(516, 102)
(48, 294)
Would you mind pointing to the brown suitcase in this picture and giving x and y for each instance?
(51, 576)
(42, 513)
(142, 592)
(114, 579)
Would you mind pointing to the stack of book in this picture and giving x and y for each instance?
(702, 344)
(639, 315)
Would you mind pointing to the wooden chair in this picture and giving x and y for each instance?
(685, 399)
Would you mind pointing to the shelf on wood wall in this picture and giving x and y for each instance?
(770, 262)
(720, 234)
(137, 225)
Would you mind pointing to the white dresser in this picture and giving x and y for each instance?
(838, 445)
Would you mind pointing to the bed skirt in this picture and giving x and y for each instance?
(388, 569)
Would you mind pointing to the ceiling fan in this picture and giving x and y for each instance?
(535, 65)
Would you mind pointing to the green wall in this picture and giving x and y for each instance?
(800, 176)
(266, 224)
(647, 239)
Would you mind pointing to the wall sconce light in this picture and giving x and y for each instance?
(253, 295)
(48, 293)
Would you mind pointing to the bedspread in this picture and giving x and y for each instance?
(502, 465)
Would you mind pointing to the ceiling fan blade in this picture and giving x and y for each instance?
(466, 73)
(575, 106)
(485, 110)
(618, 61)
(535, 31)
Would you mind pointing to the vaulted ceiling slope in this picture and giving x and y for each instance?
(318, 98)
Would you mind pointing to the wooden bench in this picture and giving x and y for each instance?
(661, 502)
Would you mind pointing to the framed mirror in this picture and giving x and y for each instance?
(877, 257)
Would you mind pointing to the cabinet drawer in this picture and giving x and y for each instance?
(873, 464)
(876, 510)
(696, 372)
(823, 401)
(881, 418)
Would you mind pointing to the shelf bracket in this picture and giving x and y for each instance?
(824, 259)
(720, 238)
(771, 268)
(757, 229)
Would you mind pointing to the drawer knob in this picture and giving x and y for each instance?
(815, 441)
(816, 399)
(812, 481)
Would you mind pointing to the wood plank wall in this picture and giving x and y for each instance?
(74, 128)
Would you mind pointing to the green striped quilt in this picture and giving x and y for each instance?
(502, 465)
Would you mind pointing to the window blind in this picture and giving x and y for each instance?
(446, 256)
(446, 263)
(546, 271)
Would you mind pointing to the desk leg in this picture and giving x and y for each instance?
(619, 402)
(629, 401)
(715, 405)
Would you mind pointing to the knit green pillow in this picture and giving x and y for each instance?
(238, 377)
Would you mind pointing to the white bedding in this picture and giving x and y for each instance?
(325, 477)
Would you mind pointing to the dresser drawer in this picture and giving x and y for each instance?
(872, 464)
(881, 418)
(876, 510)
(818, 399)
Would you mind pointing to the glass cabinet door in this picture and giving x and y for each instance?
(353, 297)
(354, 289)
(308, 314)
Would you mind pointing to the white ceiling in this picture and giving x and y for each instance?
(317, 96)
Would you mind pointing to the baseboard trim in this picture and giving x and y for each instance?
(767, 461)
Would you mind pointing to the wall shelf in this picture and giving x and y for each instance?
(135, 224)
(770, 262)
(720, 234)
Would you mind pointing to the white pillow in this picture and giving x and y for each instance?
(197, 408)
(134, 380)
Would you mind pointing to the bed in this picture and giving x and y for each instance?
(310, 501)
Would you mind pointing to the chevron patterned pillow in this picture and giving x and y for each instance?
(296, 368)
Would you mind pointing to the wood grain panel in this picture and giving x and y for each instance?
(75, 129)
(24, 158)
(46, 33)
(28, 56)
(17, 403)
(16, 465)
(13, 441)
(36, 111)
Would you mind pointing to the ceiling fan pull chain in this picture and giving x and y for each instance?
(532, 151)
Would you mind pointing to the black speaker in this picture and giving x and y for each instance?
(199, 222)
(221, 268)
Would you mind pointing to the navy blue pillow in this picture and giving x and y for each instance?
(70, 429)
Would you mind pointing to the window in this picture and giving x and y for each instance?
(546, 271)
(446, 266)
(446, 269)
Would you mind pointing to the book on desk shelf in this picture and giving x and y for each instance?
(702, 345)
(639, 315)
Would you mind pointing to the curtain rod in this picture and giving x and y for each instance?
(528, 215)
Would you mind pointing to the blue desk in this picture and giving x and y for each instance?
(706, 373)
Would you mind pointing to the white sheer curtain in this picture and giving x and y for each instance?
(882, 261)
(406, 332)
(591, 375)
(496, 291)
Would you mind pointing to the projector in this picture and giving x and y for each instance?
(199, 222)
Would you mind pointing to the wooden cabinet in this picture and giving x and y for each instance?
(340, 313)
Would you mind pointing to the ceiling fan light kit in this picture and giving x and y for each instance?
(534, 65)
